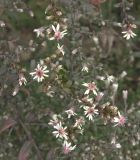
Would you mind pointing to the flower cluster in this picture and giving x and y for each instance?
(61, 133)
(73, 120)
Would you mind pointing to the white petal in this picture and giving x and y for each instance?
(58, 27)
(85, 84)
(53, 28)
(52, 38)
(87, 91)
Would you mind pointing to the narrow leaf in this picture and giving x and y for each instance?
(7, 124)
(25, 150)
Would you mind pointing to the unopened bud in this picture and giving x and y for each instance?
(115, 87)
(49, 17)
(15, 91)
(123, 74)
(125, 94)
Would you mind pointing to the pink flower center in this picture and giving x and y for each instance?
(61, 131)
(39, 73)
(90, 110)
(122, 120)
(66, 150)
(91, 86)
(58, 35)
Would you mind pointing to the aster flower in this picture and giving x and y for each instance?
(128, 33)
(79, 123)
(90, 87)
(58, 35)
(22, 80)
(120, 120)
(60, 49)
(54, 121)
(60, 131)
(67, 147)
(40, 73)
(85, 68)
(70, 112)
(39, 31)
(90, 112)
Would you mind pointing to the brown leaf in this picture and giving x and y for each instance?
(25, 150)
(7, 124)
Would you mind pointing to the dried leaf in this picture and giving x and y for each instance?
(7, 124)
(25, 150)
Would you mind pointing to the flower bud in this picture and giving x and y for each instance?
(115, 87)
(125, 94)
(123, 74)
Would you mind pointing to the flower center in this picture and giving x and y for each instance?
(91, 86)
(122, 120)
(57, 35)
(66, 150)
(90, 111)
(39, 73)
(61, 131)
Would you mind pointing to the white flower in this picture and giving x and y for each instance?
(60, 48)
(128, 34)
(60, 131)
(120, 120)
(39, 31)
(54, 121)
(70, 112)
(22, 80)
(67, 147)
(40, 73)
(79, 122)
(90, 87)
(90, 112)
(57, 34)
(85, 68)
